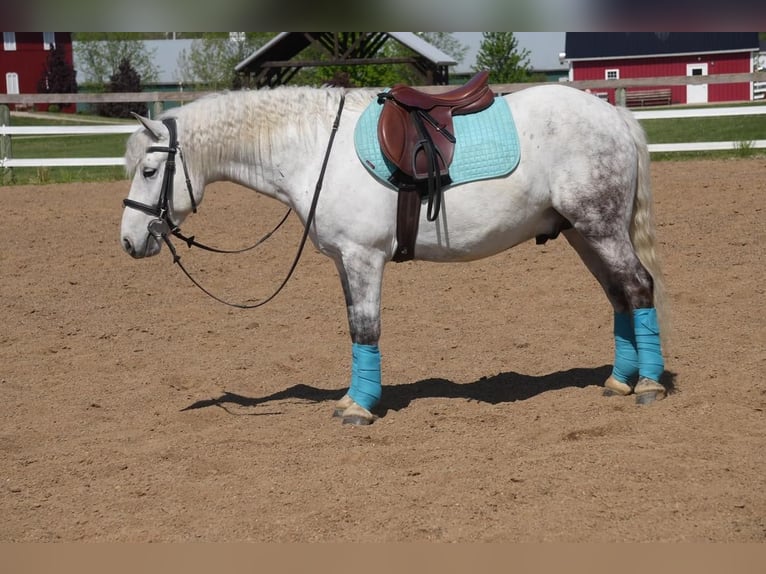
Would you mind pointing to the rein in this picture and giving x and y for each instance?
(163, 226)
(192, 242)
(161, 210)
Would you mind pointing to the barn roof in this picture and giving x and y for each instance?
(610, 45)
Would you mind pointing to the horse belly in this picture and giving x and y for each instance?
(467, 234)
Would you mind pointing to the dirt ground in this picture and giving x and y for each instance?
(136, 409)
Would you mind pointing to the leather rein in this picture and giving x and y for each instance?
(161, 227)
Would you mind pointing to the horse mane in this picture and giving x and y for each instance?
(248, 124)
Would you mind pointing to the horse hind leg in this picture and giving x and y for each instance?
(638, 362)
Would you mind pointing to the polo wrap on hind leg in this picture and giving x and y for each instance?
(625, 366)
(365, 387)
(650, 362)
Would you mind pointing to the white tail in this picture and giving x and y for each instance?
(642, 225)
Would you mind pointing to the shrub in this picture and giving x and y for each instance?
(59, 77)
(125, 79)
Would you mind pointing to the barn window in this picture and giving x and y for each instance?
(49, 40)
(9, 41)
(613, 74)
(12, 83)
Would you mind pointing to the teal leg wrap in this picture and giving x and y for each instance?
(625, 353)
(650, 362)
(365, 387)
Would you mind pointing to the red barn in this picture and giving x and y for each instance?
(625, 55)
(23, 57)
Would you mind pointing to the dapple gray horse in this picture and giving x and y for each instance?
(583, 171)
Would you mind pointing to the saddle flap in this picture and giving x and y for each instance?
(393, 132)
(403, 144)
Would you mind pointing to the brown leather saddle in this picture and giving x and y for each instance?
(416, 135)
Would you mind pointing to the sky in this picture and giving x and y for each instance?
(544, 48)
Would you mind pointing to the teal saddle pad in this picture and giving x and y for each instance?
(487, 144)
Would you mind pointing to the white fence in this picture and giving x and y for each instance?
(6, 162)
(64, 130)
(702, 113)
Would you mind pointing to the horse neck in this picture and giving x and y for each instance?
(268, 142)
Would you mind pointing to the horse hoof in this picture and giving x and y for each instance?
(357, 415)
(342, 405)
(649, 391)
(613, 387)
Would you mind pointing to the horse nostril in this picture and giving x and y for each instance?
(127, 245)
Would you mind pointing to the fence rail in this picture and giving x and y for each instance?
(66, 130)
(6, 131)
(160, 97)
(62, 162)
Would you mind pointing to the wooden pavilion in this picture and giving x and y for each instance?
(275, 63)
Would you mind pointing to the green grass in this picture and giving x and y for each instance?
(735, 128)
(109, 145)
(43, 175)
(742, 129)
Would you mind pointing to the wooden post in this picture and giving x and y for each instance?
(157, 109)
(5, 144)
(619, 97)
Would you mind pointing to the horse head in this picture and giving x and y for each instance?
(153, 207)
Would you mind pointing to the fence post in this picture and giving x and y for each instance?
(619, 97)
(5, 145)
(157, 108)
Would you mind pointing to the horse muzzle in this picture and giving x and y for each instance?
(148, 245)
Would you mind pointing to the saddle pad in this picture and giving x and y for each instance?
(487, 144)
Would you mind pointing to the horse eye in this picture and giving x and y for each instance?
(149, 172)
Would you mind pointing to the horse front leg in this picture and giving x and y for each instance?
(361, 275)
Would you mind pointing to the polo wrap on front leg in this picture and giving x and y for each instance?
(647, 331)
(625, 353)
(365, 387)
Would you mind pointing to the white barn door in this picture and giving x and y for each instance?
(696, 94)
(11, 83)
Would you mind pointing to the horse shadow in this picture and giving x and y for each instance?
(507, 387)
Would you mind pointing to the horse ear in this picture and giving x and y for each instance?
(154, 127)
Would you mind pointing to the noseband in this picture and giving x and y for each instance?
(163, 224)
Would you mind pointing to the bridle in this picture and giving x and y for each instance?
(162, 226)
(161, 211)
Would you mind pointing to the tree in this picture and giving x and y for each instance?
(59, 76)
(101, 53)
(356, 76)
(499, 54)
(125, 79)
(210, 61)
(353, 76)
(389, 74)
